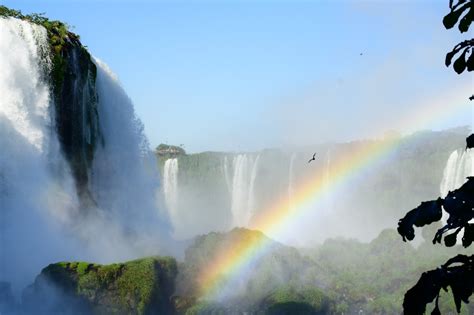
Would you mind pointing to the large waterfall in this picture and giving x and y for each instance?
(170, 188)
(51, 162)
(34, 183)
(459, 166)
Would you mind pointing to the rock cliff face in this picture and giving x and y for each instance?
(141, 286)
(76, 101)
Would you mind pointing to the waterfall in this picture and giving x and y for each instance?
(170, 187)
(329, 200)
(252, 199)
(35, 183)
(124, 175)
(291, 180)
(43, 218)
(458, 167)
(243, 185)
(226, 171)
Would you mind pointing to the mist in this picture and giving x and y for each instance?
(287, 197)
(43, 219)
(217, 191)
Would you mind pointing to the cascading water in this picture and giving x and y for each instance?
(291, 180)
(226, 171)
(459, 166)
(252, 198)
(170, 188)
(43, 216)
(34, 181)
(243, 185)
(329, 201)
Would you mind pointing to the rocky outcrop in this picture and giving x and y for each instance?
(141, 286)
(279, 266)
(167, 151)
(76, 101)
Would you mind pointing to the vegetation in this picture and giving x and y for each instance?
(142, 286)
(282, 268)
(413, 172)
(461, 11)
(458, 272)
(290, 300)
(341, 276)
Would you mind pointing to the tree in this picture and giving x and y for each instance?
(458, 272)
(464, 50)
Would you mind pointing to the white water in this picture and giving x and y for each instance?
(459, 166)
(35, 184)
(291, 181)
(252, 205)
(170, 188)
(40, 218)
(243, 186)
(329, 200)
(226, 171)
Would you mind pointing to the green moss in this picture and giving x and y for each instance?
(141, 286)
(311, 296)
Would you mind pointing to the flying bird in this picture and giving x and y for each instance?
(361, 54)
(313, 159)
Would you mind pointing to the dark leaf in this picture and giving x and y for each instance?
(456, 49)
(459, 204)
(449, 57)
(452, 17)
(470, 60)
(450, 240)
(468, 236)
(426, 213)
(436, 311)
(461, 285)
(466, 21)
(457, 273)
(470, 141)
(425, 291)
(438, 237)
(460, 64)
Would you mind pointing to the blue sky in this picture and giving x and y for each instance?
(245, 75)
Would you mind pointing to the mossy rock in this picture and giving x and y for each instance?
(302, 300)
(142, 286)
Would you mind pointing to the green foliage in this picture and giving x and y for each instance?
(337, 277)
(141, 286)
(297, 300)
(373, 277)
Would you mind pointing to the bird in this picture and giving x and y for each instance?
(361, 54)
(313, 159)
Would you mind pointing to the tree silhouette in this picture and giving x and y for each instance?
(465, 59)
(458, 272)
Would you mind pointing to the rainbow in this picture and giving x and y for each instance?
(229, 265)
